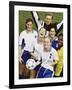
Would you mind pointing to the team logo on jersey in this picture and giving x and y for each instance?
(35, 36)
(50, 55)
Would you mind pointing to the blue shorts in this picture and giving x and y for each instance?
(44, 73)
(25, 56)
(37, 68)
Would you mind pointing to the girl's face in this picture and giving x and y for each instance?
(60, 41)
(52, 33)
(47, 44)
(42, 33)
(29, 26)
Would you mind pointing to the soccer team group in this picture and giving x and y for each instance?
(41, 50)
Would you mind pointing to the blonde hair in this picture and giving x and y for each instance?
(42, 29)
(48, 38)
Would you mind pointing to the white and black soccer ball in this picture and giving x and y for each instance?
(31, 64)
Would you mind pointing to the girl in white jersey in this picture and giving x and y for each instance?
(26, 46)
(49, 59)
(35, 55)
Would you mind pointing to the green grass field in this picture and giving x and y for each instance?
(23, 15)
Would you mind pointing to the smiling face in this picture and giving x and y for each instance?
(42, 33)
(60, 41)
(52, 32)
(29, 26)
(47, 44)
(48, 19)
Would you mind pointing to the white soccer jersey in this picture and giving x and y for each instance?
(48, 58)
(38, 46)
(29, 40)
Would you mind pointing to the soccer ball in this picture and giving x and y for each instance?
(30, 64)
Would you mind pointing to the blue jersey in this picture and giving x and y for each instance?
(55, 43)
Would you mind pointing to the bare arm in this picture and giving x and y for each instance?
(36, 55)
(19, 55)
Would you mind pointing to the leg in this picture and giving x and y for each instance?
(40, 72)
(21, 70)
(32, 73)
(25, 56)
(27, 73)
